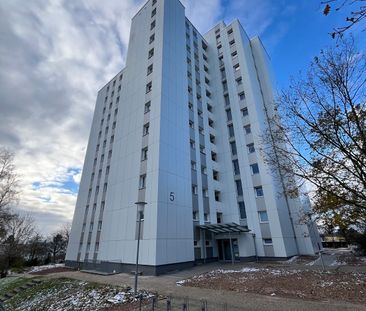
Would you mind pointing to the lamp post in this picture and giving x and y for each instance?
(140, 210)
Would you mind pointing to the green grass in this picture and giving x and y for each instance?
(9, 283)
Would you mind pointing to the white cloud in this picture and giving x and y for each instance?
(56, 55)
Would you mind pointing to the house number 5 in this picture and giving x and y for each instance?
(171, 196)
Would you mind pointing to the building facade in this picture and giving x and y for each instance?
(179, 128)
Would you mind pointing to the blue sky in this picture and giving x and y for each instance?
(56, 54)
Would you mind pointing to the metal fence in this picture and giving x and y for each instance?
(157, 303)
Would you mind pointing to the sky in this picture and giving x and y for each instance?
(56, 54)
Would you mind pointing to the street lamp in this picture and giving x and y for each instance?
(140, 210)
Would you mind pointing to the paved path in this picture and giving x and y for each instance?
(166, 285)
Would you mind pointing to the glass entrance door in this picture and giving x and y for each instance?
(224, 250)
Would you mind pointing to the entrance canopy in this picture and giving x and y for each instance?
(225, 228)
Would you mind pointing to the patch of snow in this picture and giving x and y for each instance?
(119, 298)
(46, 267)
(292, 259)
(338, 263)
(312, 263)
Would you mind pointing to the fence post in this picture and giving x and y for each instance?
(203, 305)
(169, 304)
(185, 304)
(154, 301)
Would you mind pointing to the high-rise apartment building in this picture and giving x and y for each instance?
(179, 128)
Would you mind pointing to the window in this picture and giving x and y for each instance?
(82, 230)
(205, 193)
(208, 94)
(190, 106)
(112, 139)
(96, 247)
(146, 129)
(109, 117)
(104, 143)
(210, 123)
(153, 12)
(247, 129)
(251, 148)
(193, 165)
(219, 218)
(87, 247)
(152, 25)
(154, 2)
(107, 170)
(191, 124)
(206, 217)
(217, 196)
(150, 69)
(147, 107)
(244, 111)
(120, 77)
(204, 170)
(232, 42)
(236, 167)
(242, 212)
(194, 189)
(144, 154)
(148, 87)
(239, 81)
(267, 241)
(202, 149)
(117, 99)
(114, 125)
(213, 156)
(91, 227)
(223, 74)
(258, 191)
(119, 88)
(115, 111)
(236, 67)
(201, 131)
(233, 148)
(229, 115)
(195, 215)
(239, 188)
(255, 168)
(192, 144)
(235, 53)
(151, 53)
(209, 107)
(263, 216)
(212, 139)
(218, 36)
(215, 175)
(227, 100)
(99, 225)
(110, 105)
(230, 31)
(142, 181)
(241, 96)
(231, 130)
(224, 86)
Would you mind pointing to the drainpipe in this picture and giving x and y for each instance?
(255, 247)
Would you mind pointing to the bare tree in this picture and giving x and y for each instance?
(321, 136)
(19, 230)
(57, 243)
(8, 179)
(357, 13)
(8, 187)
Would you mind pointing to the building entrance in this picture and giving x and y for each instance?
(227, 250)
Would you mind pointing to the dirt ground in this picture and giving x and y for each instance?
(308, 285)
